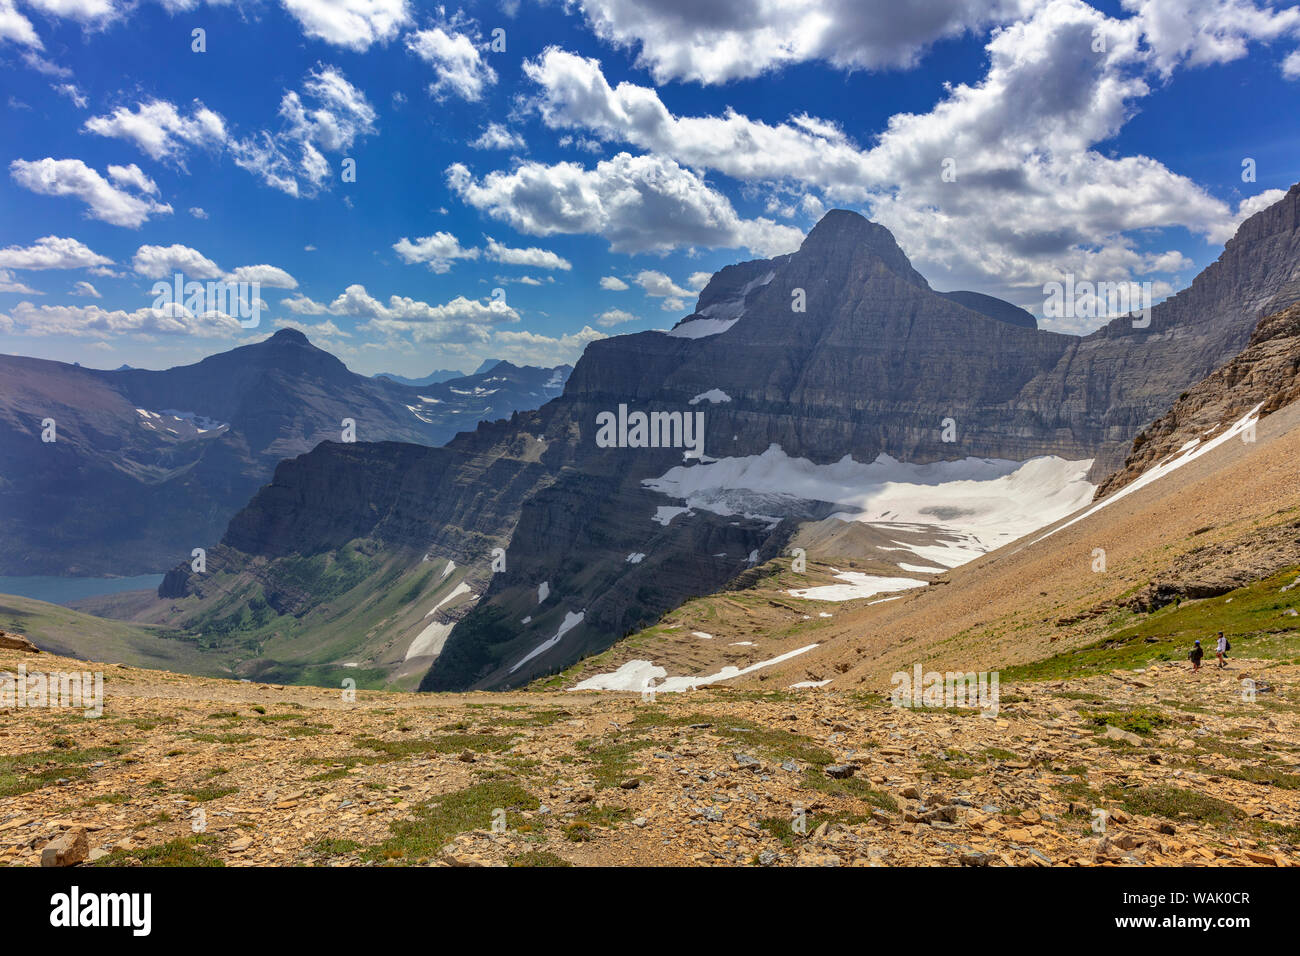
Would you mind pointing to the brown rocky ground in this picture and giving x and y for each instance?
(1188, 771)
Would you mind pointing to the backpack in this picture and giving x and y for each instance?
(1227, 646)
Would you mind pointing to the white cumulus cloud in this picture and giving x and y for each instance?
(52, 252)
(532, 256)
(352, 24)
(157, 262)
(713, 42)
(106, 201)
(270, 277)
(456, 59)
(638, 203)
(160, 130)
(437, 251)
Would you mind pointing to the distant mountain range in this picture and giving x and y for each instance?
(441, 375)
(147, 465)
(599, 541)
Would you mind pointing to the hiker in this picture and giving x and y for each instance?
(1195, 655)
(1221, 650)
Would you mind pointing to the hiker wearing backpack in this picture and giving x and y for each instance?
(1195, 655)
(1221, 650)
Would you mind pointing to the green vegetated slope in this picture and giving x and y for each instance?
(1259, 620)
(367, 611)
(61, 630)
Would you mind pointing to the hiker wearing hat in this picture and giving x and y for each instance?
(1221, 650)
(1195, 655)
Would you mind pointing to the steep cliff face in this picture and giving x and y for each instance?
(876, 362)
(1266, 373)
(457, 501)
(1126, 376)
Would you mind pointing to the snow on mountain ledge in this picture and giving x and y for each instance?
(701, 328)
(180, 425)
(717, 317)
(1189, 452)
(570, 621)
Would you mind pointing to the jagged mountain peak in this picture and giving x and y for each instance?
(289, 337)
(833, 252)
(287, 349)
(843, 235)
(838, 224)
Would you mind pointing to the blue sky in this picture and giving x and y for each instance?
(604, 162)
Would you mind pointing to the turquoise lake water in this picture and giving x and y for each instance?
(63, 590)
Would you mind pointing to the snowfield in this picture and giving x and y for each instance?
(972, 506)
(963, 508)
(858, 586)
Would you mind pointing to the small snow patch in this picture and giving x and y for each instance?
(701, 328)
(638, 675)
(430, 641)
(460, 589)
(920, 569)
(714, 395)
(571, 621)
(664, 514)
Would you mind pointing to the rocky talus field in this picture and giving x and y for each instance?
(179, 770)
